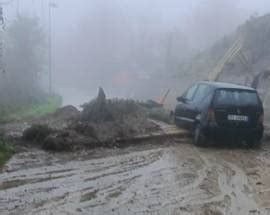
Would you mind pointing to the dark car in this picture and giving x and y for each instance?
(221, 111)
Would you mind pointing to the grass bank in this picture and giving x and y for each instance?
(36, 109)
(16, 112)
(6, 151)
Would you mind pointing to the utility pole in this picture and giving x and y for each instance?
(51, 7)
(50, 50)
(2, 31)
(2, 67)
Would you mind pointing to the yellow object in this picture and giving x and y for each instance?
(162, 100)
(233, 51)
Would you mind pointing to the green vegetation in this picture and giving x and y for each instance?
(21, 94)
(36, 109)
(6, 151)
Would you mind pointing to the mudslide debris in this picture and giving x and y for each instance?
(102, 122)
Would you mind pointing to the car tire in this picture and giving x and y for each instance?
(176, 122)
(199, 138)
(255, 143)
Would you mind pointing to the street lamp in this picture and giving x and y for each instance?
(52, 6)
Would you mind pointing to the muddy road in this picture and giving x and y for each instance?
(170, 177)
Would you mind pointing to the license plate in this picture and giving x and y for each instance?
(238, 118)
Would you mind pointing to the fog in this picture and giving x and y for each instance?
(130, 47)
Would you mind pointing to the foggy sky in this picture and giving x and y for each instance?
(194, 23)
(173, 12)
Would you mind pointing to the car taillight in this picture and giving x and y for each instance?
(211, 115)
(261, 119)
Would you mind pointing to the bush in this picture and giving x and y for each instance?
(6, 151)
(37, 133)
(61, 141)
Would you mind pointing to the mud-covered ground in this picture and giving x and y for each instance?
(168, 177)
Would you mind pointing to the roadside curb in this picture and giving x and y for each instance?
(166, 131)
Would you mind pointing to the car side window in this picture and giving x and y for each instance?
(190, 93)
(202, 92)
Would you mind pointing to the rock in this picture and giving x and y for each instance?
(67, 112)
(36, 133)
(68, 140)
(97, 110)
(259, 183)
(61, 141)
(101, 99)
(151, 104)
(85, 129)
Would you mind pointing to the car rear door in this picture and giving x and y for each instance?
(199, 102)
(182, 109)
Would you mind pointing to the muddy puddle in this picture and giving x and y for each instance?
(173, 177)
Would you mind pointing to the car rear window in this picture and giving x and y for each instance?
(235, 98)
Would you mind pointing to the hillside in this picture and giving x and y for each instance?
(250, 66)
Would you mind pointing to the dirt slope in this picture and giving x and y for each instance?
(256, 50)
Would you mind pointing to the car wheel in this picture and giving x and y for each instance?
(176, 122)
(199, 138)
(255, 143)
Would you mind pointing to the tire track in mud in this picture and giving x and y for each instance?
(173, 179)
(66, 182)
(233, 185)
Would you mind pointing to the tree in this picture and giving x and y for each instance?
(25, 59)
